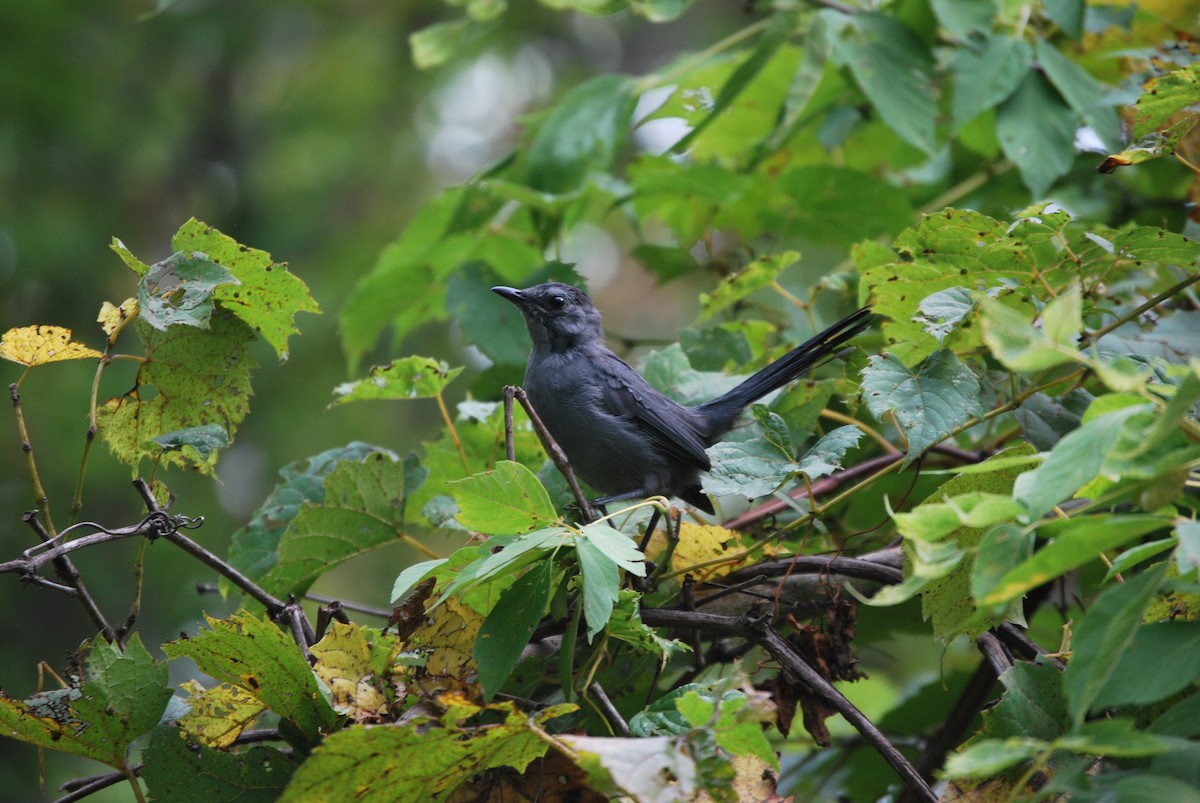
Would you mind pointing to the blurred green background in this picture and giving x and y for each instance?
(299, 128)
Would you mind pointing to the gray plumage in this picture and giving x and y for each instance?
(623, 437)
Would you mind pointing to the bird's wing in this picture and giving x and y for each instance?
(628, 395)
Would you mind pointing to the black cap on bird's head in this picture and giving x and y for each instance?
(557, 315)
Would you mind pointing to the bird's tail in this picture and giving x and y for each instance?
(726, 408)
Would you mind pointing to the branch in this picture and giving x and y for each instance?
(781, 650)
(1121, 320)
(553, 449)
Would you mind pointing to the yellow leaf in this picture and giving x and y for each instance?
(36, 345)
(220, 714)
(343, 661)
(112, 317)
(700, 544)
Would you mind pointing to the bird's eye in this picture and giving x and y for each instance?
(558, 301)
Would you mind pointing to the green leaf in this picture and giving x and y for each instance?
(1045, 420)
(826, 455)
(1037, 132)
(962, 18)
(436, 44)
(190, 378)
(803, 85)
(1165, 96)
(1032, 707)
(136, 265)
(267, 296)
(659, 10)
(198, 443)
(626, 625)
(1082, 92)
(384, 296)
(617, 546)
(686, 196)
(504, 500)
(179, 290)
(985, 78)
(181, 770)
(510, 625)
(754, 467)
(941, 313)
(583, 132)
(412, 575)
(1102, 637)
(1117, 737)
(943, 570)
(1066, 14)
(953, 248)
(414, 761)
(893, 69)
(484, 323)
(1022, 347)
(780, 27)
(1075, 460)
(1181, 719)
(254, 548)
(406, 378)
(601, 582)
(758, 274)
(256, 655)
(1187, 554)
(511, 558)
(364, 507)
(1003, 547)
(986, 758)
(120, 698)
(1074, 543)
(929, 403)
(827, 204)
(931, 520)
(1162, 659)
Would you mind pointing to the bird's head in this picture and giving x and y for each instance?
(557, 315)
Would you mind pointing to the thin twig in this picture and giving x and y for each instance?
(609, 710)
(273, 605)
(782, 651)
(995, 653)
(510, 441)
(357, 607)
(1121, 320)
(557, 455)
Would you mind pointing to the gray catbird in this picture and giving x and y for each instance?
(621, 435)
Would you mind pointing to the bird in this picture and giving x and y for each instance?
(620, 434)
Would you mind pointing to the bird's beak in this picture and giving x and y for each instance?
(511, 293)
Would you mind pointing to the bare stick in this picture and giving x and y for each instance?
(609, 710)
(782, 651)
(557, 455)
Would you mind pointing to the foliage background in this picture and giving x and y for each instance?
(302, 129)
(307, 132)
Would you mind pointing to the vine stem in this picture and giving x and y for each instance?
(43, 524)
(462, 453)
(1129, 316)
(867, 429)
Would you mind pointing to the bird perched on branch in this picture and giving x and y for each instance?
(621, 435)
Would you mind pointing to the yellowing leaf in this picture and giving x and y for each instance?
(112, 318)
(343, 661)
(447, 640)
(700, 544)
(220, 714)
(37, 345)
